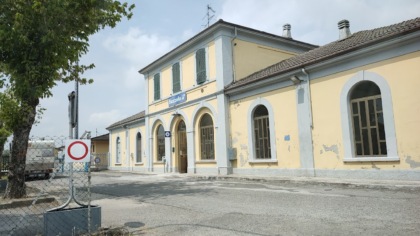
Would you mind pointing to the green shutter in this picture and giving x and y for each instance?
(157, 86)
(200, 58)
(176, 78)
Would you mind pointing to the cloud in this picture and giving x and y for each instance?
(106, 118)
(187, 34)
(133, 80)
(118, 53)
(316, 21)
(137, 47)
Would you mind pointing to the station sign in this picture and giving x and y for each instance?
(177, 99)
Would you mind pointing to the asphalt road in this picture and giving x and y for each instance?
(183, 205)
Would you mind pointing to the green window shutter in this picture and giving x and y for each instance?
(200, 58)
(176, 78)
(157, 86)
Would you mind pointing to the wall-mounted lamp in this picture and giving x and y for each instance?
(295, 80)
(176, 114)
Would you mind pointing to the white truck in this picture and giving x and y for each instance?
(40, 158)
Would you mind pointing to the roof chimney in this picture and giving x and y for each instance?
(286, 31)
(344, 29)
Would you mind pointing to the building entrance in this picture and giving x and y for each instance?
(182, 148)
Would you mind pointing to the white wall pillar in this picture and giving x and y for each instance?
(191, 152)
(224, 76)
(304, 112)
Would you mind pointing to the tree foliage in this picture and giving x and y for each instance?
(41, 42)
(4, 134)
(7, 110)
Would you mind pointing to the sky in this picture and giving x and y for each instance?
(159, 26)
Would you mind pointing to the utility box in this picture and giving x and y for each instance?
(72, 221)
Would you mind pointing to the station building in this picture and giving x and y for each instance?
(238, 100)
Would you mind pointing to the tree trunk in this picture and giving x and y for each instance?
(16, 187)
(2, 140)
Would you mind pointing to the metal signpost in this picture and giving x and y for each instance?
(76, 150)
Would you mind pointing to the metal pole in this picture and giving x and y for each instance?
(76, 104)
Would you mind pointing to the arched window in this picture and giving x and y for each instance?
(160, 144)
(207, 137)
(118, 150)
(368, 120)
(138, 147)
(261, 133)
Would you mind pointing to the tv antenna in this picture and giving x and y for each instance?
(209, 15)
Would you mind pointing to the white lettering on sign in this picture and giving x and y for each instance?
(177, 99)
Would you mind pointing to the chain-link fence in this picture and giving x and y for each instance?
(57, 199)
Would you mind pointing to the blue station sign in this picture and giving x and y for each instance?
(177, 99)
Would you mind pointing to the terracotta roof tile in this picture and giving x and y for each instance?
(355, 41)
(127, 120)
(104, 137)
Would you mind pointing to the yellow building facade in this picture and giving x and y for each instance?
(237, 100)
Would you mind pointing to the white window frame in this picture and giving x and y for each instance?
(251, 138)
(201, 140)
(388, 113)
(157, 143)
(141, 147)
(118, 152)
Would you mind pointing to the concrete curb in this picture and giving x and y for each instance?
(25, 202)
(350, 183)
(319, 181)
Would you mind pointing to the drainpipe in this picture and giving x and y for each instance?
(309, 97)
(311, 117)
(127, 146)
(233, 56)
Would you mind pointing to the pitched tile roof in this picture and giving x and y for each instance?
(127, 120)
(104, 137)
(221, 23)
(356, 41)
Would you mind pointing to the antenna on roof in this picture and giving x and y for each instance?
(209, 15)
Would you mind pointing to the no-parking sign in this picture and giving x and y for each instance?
(77, 150)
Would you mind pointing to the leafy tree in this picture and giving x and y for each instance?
(4, 134)
(6, 103)
(41, 42)
(7, 112)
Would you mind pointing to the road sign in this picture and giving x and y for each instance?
(77, 150)
(167, 134)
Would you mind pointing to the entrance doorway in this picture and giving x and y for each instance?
(182, 147)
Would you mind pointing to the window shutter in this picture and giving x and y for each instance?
(201, 65)
(157, 86)
(176, 80)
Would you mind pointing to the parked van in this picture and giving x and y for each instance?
(40, 158)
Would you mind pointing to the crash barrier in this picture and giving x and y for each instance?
(58, 200)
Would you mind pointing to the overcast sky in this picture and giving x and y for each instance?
(159, 26)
